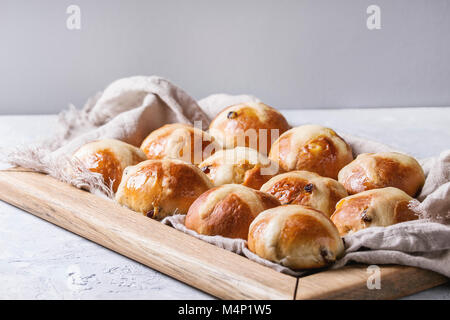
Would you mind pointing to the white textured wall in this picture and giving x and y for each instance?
(310, 54)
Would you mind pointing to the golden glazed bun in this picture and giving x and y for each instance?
(379, 170)
(109, 157)
(295, 236)
(179, 141)
(228, 210)
(240, 165)
(306, 188)
(312, 148)
(230, 125)
(373, 208)
(159, 188)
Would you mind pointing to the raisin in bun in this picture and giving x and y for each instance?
(312, 148)
(159, 188)
(379, 170)
(295, 236)
(306, 188)
(240, 165)
(372, 208)
(239, 125)
(109, 157)
(228, 210)
(179, 141)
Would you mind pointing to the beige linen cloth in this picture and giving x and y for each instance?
(130, 108)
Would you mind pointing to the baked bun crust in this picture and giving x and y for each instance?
(177, 141)
(306, 188)
(159, 188)
(109, 157)
(240, 165)
(228, 210)
(229, 126)
(295, 236)
(312, 148)
(373, 208)
(379, 170)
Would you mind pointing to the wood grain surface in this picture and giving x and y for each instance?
(350, 282)
(219, 272)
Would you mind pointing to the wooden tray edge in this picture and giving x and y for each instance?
(144, 240)
(236, 278)
(350, 282)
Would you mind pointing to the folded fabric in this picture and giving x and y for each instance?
(418, 243)
(129, 109)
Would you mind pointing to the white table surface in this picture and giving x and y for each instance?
(41, 261)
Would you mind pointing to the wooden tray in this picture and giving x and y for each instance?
(216, 271)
